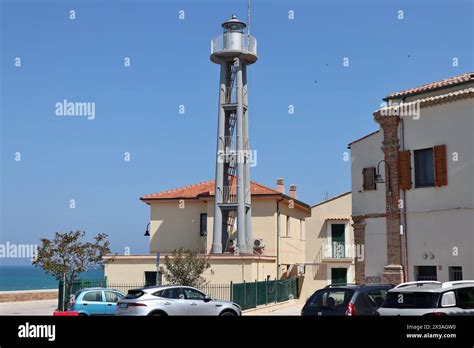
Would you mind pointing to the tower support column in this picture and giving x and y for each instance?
(219, 183)
(240, 162)
(248, 202)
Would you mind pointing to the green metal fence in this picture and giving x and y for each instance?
(251, 295)
(246, 294)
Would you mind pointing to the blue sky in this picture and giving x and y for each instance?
(300, 63)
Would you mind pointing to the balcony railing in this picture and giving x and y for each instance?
(337, 250)
(248, 45)
(229, 195)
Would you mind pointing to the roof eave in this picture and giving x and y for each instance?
(434, 89)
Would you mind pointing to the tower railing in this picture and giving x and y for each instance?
(229, 194)
(249, 44)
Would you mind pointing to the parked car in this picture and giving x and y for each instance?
(430, 298)
(174, 300)
(96, 301)
(346, 299)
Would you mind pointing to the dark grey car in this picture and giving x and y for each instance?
(346, 299)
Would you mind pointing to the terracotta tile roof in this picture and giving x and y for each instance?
(205, 188)
(439, 99)
(448, 97)
(449, 82)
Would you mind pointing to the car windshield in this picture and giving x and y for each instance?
(332, 298)
(133, 294)
(411, 300)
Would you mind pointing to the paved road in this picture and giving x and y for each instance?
(40, 307)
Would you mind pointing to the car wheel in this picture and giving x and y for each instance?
(82, 314)
(158, 314)
(228, 314)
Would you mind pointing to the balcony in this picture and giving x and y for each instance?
(228, 195)
(235, 45)
(338, 252)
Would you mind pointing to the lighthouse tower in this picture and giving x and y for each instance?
(233, 50)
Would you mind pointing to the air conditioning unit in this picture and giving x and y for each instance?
(258, 244)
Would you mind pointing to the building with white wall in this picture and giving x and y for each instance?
(418, 223)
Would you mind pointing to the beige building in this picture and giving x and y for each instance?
(183, 217)
(330, 250)
(418, 224)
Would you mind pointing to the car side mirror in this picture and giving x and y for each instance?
(448, 299)
(207, 299)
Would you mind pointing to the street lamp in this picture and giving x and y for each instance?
(147, 232)
(378, 177)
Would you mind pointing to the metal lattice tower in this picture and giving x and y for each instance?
(233, 51)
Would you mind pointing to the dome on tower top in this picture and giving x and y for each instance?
(234, 24)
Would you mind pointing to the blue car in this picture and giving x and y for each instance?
(96, 301)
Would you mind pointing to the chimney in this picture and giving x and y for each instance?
(293, 191)
(280, 187)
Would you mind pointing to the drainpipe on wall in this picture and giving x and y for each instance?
(404, 238)
(278, 239)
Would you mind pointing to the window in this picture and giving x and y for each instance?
(288, 226)
(338, 275)
(133, 294)
(455, 273)
(368, 175)
(363, 302)
(338, 240)
(93, 296)
(192, 294)
(112, 296)
(332, 298)
(465, 298)
(173, 293)
(150, 278)
(425, 273)
(424, 168)
(203, 225)
(377, 297)
(411, 300)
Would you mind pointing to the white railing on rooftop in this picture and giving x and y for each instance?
(249, 44)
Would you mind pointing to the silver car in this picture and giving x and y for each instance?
(174, 300)
(430, 298)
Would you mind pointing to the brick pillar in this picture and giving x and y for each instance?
(393, 271)
(359, 241)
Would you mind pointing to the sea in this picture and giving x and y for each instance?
(33, 278)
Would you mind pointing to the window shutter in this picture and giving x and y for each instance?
(441, 167)
(404, 169)
(368, 175)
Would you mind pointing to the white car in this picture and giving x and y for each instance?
(174, 300)
(430, 298)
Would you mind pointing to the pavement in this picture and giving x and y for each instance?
(287, 308)
(39, 307)
(47, 307)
